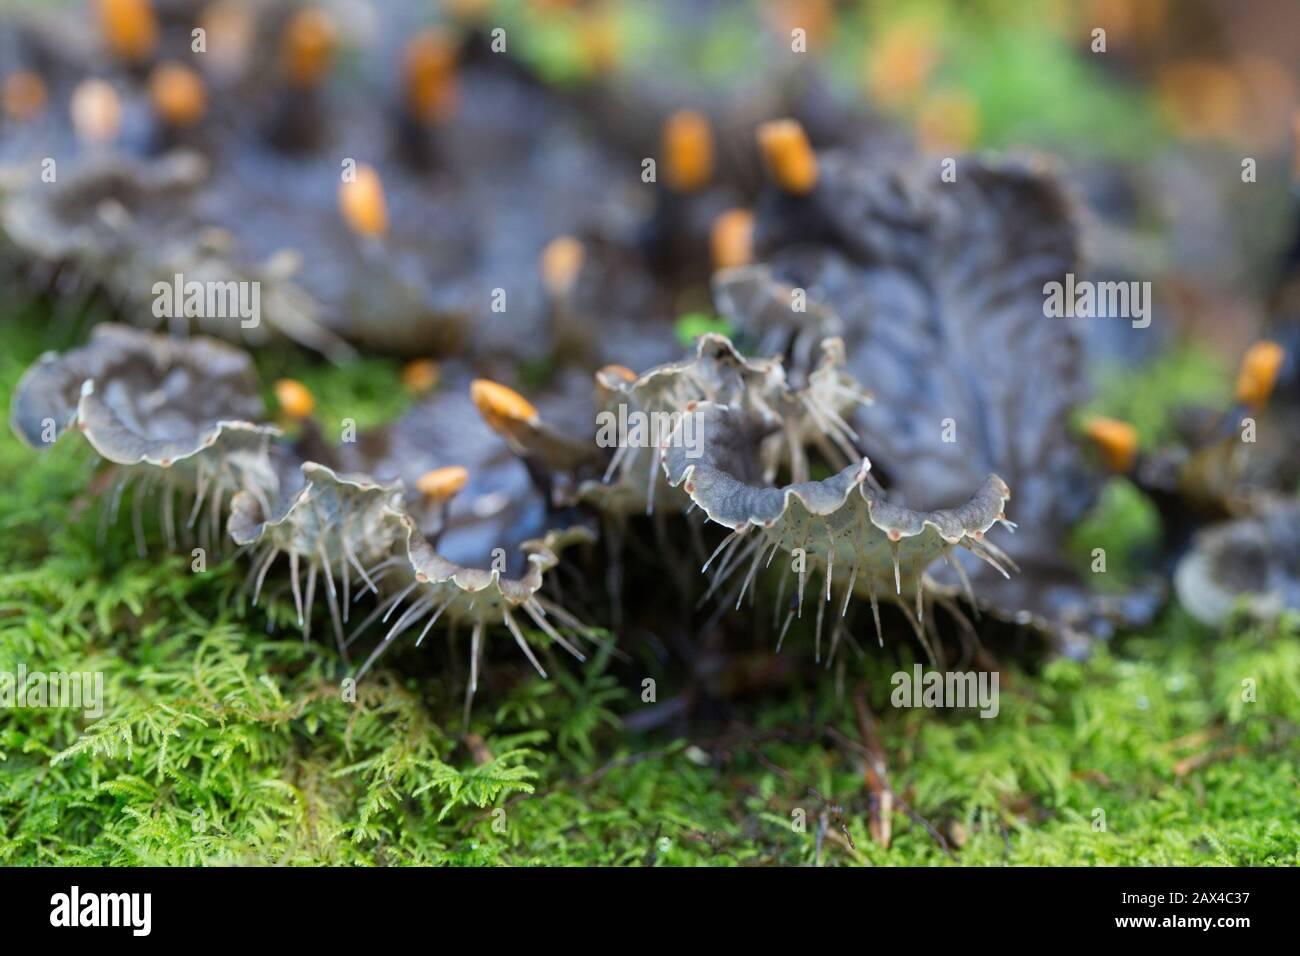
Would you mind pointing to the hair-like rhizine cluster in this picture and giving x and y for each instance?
(173, 416)
(750, 426)
(177, 417)
(182, 415)
(333, 523)
(619, 477)
(439, 588)
(843, 521)
(811, 415)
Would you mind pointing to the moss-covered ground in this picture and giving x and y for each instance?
(223, 743)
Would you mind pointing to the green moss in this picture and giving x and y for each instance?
(1013, 65)
(1147, 397)
(1019, 75)
(1124, 521)
(369, 390)
(1015, 68)
(692, 325)
(1125, 524)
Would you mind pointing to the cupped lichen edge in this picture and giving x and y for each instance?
(721, 496)
(112, 440)
(429, 567)
(60, 389)
(245, 529)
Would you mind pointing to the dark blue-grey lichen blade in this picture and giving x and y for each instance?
(793, 419)
(349, 533)
(499, 504)
(1250, 563)
(133, 227)
(477, 593)
(775, 317)
(101, 215)
(938, 288)
(716, 371)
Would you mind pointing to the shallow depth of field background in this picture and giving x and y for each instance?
(224, 744)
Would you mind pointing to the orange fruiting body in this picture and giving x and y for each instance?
(362, 203)
(561, 262)
(420, 375)
(129, 26)
(1258, 374)
(429, 76)
(609, 377)
(295, 399)
(307, 47)
(177, 94)
(732, 239)
(1116, 440)
(499, 405)
(788, 156)
(442, 483)
(688, 150)
(618, 371)
(24, 95)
